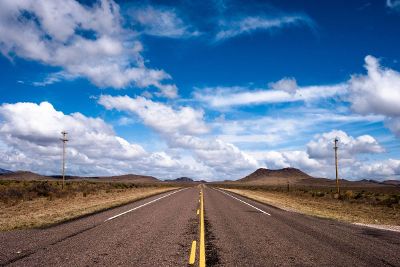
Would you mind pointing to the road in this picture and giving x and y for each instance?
(158, 231)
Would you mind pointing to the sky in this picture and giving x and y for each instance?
(208, 89)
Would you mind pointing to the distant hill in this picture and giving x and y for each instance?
(181, 180)
(23, 175)
(4, 171)
(299, 178)
(127, 178)
(391, 182)
(280, 176)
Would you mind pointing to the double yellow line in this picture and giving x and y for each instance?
(202, 260)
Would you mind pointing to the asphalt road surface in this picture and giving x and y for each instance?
(158, 231)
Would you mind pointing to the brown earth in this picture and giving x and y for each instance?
(23, 176)
(325, 207)
(39, 211)
(30, 176)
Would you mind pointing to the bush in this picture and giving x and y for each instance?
(349, 194)
(42, 189)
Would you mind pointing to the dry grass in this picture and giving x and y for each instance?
(354, 212)
(40, 211)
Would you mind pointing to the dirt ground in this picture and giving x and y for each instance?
(328, 208)
(44, 211)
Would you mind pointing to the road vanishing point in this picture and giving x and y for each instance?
(200, 226)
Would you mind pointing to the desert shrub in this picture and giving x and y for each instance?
(318, 194)
(359, 195)
(349, 194)
(390, 201)
(12, 193)
(42, 189)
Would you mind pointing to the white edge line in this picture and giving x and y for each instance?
(145, 204)
(260, 210)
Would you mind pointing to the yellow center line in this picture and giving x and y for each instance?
(202, 262)
(192, 253)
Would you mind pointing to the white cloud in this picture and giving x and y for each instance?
(219, 97)
(322, 145)
(161, 22)
(284, 159)
(233, 28)
(378, 92)
(286, 130)
(288, 85)
(385, 169)
(225, 159)
(394, 125)
(261, 130)
(318, 159)
(63, 33)
(375, 94)
(29, 140)
(124, 121)
(161, 117)
(181, 128)
(54, 78)
(393, 4)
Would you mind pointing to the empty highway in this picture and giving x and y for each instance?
(160, 230)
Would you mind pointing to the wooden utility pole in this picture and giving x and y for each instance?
(64, 140)
(336, 165)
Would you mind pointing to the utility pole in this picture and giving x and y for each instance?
(64, 140)
(336, 165)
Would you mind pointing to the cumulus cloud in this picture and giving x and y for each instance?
(288, 85)
(318, 158)
(29, 138)
(234, 27)
(377, 92)
(184, 128)
(161, 22)
(163, 118)
(84, 41)
(384, 169)
(223, 158)
(320, 148)
(322, 145)
(295, 159)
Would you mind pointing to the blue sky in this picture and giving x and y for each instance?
(210, 89)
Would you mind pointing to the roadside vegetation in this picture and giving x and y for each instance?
(380, 205)
(29, 204)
